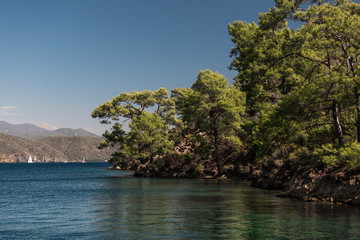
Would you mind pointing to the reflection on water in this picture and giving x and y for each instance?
(85, 201)
(195, 209)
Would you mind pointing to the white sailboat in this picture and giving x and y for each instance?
(83, 161)
(30, 160)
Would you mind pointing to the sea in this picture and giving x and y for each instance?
(87, 201)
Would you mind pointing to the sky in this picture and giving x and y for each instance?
(60, 59)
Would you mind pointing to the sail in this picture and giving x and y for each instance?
(30, 160)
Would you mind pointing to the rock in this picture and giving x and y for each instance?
(356, 200)
(333, 184)
(114, 167)
(279, 163)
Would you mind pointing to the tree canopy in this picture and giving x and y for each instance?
(148, 134)
(308, 76)
(296, 97)
(214, 107)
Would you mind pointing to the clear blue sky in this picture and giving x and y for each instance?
(60, 59)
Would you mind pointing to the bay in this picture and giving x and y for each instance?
(86, 201)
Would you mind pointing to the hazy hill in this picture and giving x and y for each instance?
(50, 149)
(21, 129)
(77, 148)
(73, 132)
(34, 132)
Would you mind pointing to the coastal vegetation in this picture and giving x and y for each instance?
(293, 110)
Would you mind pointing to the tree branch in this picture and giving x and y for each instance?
(313, 60)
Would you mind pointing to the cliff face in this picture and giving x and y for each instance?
(51, 149)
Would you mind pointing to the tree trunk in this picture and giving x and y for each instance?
(357, 96)
(357, 124)
(216, 151)
(337, 125)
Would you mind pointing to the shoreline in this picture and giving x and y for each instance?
(333, 185)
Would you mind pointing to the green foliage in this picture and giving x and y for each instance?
(116, 136)
(213, 107)
(263, 71)
(211, 111)
(347, 155)
(328, 153)
(130, 105)
(350, 154)
(302, 85)
(302, 99)
(148, 135)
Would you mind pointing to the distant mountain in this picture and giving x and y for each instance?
(51, 149)
(74, 132)
(77, 148)
(21, 129)
(34, 132)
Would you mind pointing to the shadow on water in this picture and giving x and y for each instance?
(200, 209)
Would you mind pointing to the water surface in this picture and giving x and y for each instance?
(86, 201)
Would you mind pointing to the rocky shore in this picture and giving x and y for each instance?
(336, 185)
(332, 184)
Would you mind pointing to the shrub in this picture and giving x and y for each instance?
(348, 155)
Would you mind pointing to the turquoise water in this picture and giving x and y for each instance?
(86, 201)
